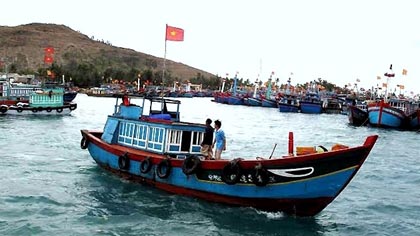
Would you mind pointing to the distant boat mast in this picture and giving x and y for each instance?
(388, 75)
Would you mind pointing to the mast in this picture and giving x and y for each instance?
(235, 83)
(256, 87)
(388, 75)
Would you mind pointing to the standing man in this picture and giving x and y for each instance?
(220, 140)
(206, 145)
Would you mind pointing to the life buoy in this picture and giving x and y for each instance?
(163, 169)
(19, 109)
(191, 165)
(59, 110)
(146, 165)
(48, 109)
(259, 175)
(123, 162)
(73, 107)
(34, 110)
(3, 109)
(232, 172)
(84, 143)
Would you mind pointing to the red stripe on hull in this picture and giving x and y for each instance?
(298, 207)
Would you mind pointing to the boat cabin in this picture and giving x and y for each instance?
(51, 97)
(154, 127)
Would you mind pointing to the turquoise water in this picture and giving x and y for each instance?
(49, 186)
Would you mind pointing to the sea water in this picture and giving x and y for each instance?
(49, 186)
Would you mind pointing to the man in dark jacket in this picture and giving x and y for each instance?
(206, 145)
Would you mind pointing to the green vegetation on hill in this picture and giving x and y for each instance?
(86, 61)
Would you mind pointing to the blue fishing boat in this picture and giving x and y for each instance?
(12, 93)
(150, 144)
(268, 100)
(46, 101)
(391, 112)
(235, 100)
(414, 120)
(387, 114)
(271, 103)
(254, 102)
(289, 103)
(311, 103)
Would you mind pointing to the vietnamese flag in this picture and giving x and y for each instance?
(174, 33)
(48, 59)
(49, 50)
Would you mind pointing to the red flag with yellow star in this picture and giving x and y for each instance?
(174, 33)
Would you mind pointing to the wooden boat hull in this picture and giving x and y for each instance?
(310, 107)
(414, 120)
(288, 107)
(381, 115)
(69, 96)
(302, 185)
(357, 116)
(253, 102)
(19, 110)
(268, 103)
(233, 100)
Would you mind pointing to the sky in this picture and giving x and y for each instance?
(341, 41)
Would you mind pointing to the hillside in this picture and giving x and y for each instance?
(24, 47)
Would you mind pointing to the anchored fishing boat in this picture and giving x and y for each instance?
(150, 144)
(393, 112)
(358, 114)
(12, 93)
(44, 101)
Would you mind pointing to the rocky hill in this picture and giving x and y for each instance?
(24, 47)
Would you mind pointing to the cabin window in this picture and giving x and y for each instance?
(140, 136)
(197, 138)
(186, 141)
(175, 136)
(174, 141)
(126, 133)
(156, 135)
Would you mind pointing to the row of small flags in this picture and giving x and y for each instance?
(404, 72)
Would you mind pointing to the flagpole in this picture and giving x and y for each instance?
(164, 62)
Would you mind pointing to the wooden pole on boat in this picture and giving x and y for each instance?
(291, 143)
(274, 148)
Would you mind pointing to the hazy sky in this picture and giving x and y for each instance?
(338, 41)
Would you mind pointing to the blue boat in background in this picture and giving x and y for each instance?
(311, 103)
(254, 102)
(235, 100)
(289, 102)
(150, 144)
(393, 112)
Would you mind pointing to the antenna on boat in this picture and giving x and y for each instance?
(274, 148)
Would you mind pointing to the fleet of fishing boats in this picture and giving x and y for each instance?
(386, 111)
(149, 143)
